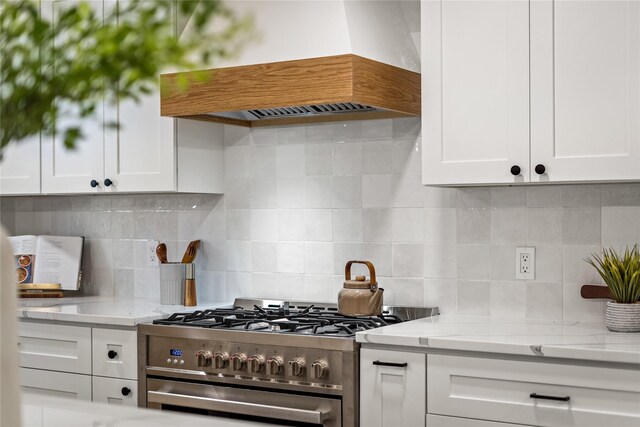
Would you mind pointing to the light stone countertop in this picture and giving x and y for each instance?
(115, 311)
(569, 340)
(50, 411)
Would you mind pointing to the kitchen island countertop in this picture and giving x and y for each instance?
(49, 411)
(553, 339)
(103, 310)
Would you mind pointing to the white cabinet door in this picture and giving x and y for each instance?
(71, 171)
(585, 89)
(115, 353)
(392, 388)
(475, 91)
(61, 384)
(20, 167)
(55, 347)
(115, 391)
(140, 156)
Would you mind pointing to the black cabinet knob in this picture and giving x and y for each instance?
(112, 354)
(515, 170)
(94, 183)
(126, 391)
(108, 182)
(540, 169)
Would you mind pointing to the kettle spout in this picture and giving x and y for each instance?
(375, 303)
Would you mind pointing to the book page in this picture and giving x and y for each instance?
(23, 245)
(58, 260)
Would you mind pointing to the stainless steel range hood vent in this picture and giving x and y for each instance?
(302, 111)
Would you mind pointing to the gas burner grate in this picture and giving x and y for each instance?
(304, 320)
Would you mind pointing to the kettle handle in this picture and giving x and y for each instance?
(372, 270)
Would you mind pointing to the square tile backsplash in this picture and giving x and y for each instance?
(302, 200)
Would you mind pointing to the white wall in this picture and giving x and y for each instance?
(302, 200)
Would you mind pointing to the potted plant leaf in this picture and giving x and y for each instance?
(621, 274)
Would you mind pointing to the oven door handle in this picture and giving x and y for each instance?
(234, 407)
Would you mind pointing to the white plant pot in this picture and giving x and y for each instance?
(622, 317)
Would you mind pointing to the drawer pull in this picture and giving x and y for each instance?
(395, 365)
(545, 397)
(112, 354)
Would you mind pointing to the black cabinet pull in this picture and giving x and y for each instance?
(515, 170)
(94, 183)
(108, 182)
(125, 391)
(112, 354)
(540, 169)
(545, 397)
(395, 365)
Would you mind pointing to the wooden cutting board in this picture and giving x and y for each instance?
(595, 291)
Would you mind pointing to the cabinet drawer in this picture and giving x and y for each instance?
(504, 391)
(115, 353)
(442, 421)
(61, 384)
(55, 347)
(115, 391)
(392, 388)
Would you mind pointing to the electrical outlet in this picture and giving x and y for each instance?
(152, 258)
(526, 263)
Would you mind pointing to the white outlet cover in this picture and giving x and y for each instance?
(525, 270)
(152, 258)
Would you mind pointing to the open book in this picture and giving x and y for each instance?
(48, 259)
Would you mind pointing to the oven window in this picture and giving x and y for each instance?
(235, 416)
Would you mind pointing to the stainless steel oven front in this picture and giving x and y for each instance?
(261, 377)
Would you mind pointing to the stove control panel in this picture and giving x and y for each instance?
(244, 361)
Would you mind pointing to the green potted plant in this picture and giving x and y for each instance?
(621, 273)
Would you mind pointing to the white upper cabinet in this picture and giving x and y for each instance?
(585, 89)
(146, 153)
(475, 91)
(552, 87)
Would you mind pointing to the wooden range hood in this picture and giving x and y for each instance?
(331, 88)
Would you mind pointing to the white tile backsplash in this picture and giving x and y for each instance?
(302, 200)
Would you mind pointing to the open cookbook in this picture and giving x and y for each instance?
(48, 260)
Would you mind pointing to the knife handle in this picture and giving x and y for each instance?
(190, 293)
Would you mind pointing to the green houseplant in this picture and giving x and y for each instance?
(68, 64)
(621, 274)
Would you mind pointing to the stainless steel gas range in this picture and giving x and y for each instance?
(264, 360)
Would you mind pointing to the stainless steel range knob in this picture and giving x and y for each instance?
(203, 358)
(237, 361)
(296, 366)
(319, 369)
(274, 365)
(220, 359)
(255, 363)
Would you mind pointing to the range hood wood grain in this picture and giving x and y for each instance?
(327, 80)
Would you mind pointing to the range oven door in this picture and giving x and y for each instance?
(256, 405)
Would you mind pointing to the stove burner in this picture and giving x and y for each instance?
(308, 320)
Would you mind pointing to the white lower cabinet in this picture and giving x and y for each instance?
(392, 388)
(115, 391)
(441, 421)
(532, 392)
(51, 383)
(80, 362)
